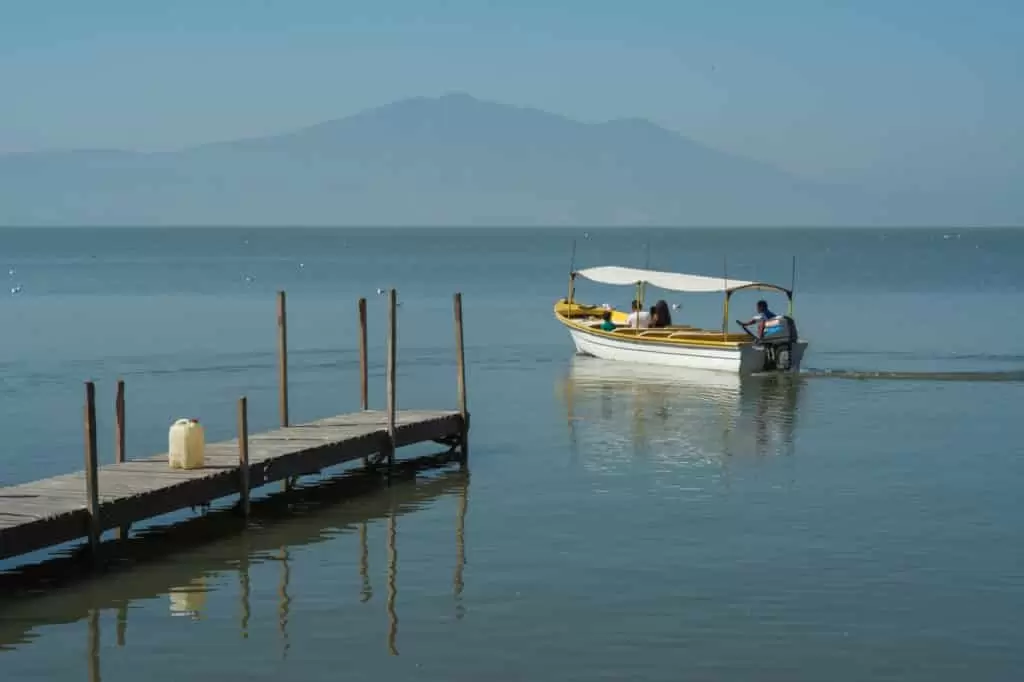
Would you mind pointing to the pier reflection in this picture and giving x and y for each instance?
(189, 579)
(674, 416)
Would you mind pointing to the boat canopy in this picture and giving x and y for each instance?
(671, 281)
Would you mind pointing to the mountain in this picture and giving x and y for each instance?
(451, 160)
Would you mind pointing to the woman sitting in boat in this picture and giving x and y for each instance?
(660, 316)
(606, 323)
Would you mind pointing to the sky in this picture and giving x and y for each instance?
(920, 95)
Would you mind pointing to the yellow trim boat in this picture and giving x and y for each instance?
(780, 348)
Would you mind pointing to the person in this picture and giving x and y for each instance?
(607, 325)
(662, 315)
(762, 316)
(653, 318)
(639, 318)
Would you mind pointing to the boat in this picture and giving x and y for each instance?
(779, 349)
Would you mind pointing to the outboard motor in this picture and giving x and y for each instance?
(779, 336)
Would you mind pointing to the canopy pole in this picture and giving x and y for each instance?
(572, 277)
(725, 303)
(792, 286)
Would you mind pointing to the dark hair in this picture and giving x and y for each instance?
(762, 304)
(664, 317)
(635, 305)
(607, 315)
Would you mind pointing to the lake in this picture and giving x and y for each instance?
(859, 521)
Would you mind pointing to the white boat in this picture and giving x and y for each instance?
(779, 348)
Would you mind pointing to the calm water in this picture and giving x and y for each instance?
(859, 522)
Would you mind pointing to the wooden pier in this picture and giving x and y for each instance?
(42, 514)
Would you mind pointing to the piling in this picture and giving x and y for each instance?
(282, 358)
(282, 368)
(119, 442)
(460, 359)
(243, 457)
(92, 493)
(364, 370)
(391, 364)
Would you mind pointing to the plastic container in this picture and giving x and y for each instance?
(185, 444)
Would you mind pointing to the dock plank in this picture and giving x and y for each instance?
(49, 512)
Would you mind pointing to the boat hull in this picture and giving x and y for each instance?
(734, 358)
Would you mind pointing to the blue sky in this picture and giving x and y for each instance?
(920, 94)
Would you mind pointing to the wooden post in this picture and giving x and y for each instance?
(363, 367)
(392, 361)
(119, 417)
(282, 358)
(460, 359)
(282, 368)
(92, 492)
(243, 456)
(119, 443)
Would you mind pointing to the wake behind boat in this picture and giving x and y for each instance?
(604, 333)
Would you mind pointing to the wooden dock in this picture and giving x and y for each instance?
(42, 514)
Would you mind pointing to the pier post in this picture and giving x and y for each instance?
(119, 422)
(243, 456)
(92, 492)
(119, 443)
(460, 359)
(282, 358)
(364, 371)
(392, 362)
(282, 368)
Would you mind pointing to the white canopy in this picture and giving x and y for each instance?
(672, 281)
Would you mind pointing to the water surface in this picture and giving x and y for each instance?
(858, 522)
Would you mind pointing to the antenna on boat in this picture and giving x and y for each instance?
(792, 286)
(647, 266)
(725, 303)
(572, 277)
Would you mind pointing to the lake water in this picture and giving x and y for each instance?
(862, 521)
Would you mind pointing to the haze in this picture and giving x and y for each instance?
(793, 112)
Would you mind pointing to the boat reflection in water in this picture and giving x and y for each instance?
(675, 417)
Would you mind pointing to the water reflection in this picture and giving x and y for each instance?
(186, 580)
(94, 646)
(458, 583)
(392, 585)
(672, 417)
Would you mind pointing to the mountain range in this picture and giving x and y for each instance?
(449, 160)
